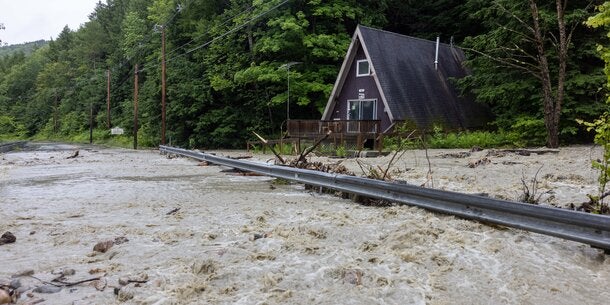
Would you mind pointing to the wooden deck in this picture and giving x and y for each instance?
(343, 133)
(308, 128)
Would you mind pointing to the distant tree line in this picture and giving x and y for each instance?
(534, 63)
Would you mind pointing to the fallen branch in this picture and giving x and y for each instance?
(400, 148)
(73, 155)
(429, 177)
(270, 147)
(312, 148)
(173, 211)
(68, 284)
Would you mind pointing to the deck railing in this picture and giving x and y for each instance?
(308, 128)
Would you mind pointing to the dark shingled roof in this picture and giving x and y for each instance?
(413, 88)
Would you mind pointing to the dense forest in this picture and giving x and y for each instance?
(535, 63)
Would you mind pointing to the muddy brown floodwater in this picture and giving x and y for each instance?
(248, 240)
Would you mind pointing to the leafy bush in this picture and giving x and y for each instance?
(469, 139)
(601, 126)
(11, 129)
(530, 131)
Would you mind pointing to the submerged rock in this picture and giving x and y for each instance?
(5, 298)
(47, 289)
(103, 246)
(7, 238)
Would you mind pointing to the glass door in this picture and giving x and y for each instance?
(359, 110)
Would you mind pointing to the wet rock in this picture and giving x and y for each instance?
(100, 284)
(7, 238)
(34, 301)
(103, 246)
(476, 163)
(27, 272)
(23, 289)
(204, 267)
(125, 294)
(5, 298)
(96, 270)
(66, 272)
(16, 283)
(120, 240)
(353, 276)
(140, 278)
(259, 236)
(47, 289)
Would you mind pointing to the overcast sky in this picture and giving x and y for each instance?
(31, 20)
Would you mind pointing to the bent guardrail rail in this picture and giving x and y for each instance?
(582, 227)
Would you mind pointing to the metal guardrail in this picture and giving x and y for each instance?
(5, 147)
(582, 227)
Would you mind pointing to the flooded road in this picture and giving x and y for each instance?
(193, 235)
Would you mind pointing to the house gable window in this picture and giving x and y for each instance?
(363, 68)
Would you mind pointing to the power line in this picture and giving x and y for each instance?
(235, 29)
(241, 26)
(179, 10)
(209, 30)
(141, 44)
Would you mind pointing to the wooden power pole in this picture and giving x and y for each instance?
(135, 109)
(108, 98)
(163, 85)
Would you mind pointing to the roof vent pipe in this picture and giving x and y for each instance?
(438, 42)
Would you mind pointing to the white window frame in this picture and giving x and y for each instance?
(358, 74)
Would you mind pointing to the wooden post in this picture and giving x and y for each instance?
(55, 114)
(135, 109)
(163, 85)
(90, 122)
(108, 98)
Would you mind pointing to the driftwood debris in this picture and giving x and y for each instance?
(240, 157)
(174, 211)
(68, 284)
(74, 155)
(520, 152)
(59, 281)
(594, 205)
(270, 147)
(302, 157)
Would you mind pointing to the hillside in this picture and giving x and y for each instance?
(26, 48)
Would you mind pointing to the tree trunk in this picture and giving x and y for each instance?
(564, 41)
(551, 101)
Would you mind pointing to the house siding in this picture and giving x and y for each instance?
(351, 90)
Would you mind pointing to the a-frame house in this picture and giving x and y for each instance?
(394, 78)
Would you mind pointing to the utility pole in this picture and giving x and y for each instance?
(163, 84)
(90, 122)
(108, 98)
(135, 109)
(55, 114)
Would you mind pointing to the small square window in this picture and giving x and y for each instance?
(363, 68)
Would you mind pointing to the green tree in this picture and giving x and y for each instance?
(529, 63)
(601, 126)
